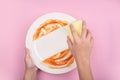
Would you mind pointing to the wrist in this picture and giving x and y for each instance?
(31, 70)
(30, 74)
(84, 70)
(83, 62)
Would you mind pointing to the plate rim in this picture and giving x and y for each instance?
(35, 58)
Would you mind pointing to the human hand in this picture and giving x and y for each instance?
(81, 49)
(30, 68)
(82, 45)
(28, 61)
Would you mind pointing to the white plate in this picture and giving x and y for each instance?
(29, 37)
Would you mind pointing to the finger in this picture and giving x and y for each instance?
(89, 35)
(35, 68)
(27, 50)
(28, 53)
(84, 32)
(69, 43)
(74, 33)
(83, 24)
(83, 28)
(92, 41)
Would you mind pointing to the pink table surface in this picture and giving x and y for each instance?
(102, 17)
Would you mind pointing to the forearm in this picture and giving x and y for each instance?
(30, 75)
(84, 70)
(81, 47)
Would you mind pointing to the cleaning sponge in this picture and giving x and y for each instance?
(77, 26)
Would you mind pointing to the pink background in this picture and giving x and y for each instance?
(102, 17)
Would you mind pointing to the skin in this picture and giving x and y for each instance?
(81, 49)
(30, 69)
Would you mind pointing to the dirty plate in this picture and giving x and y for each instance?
(64, 61)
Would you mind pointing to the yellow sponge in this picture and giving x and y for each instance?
(78, 27)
